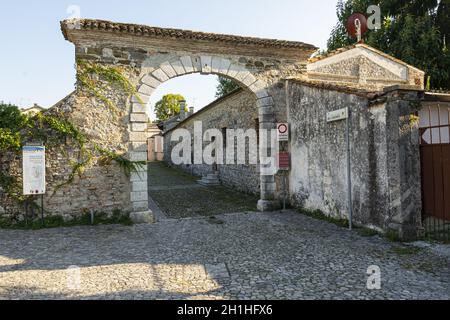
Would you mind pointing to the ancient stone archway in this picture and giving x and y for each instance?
(211, 65)
(152, 56)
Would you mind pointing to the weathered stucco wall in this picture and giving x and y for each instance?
(236, 111)
(384, 156)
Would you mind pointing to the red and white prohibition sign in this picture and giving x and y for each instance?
(283, 131)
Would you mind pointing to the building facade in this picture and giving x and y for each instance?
(280, 84)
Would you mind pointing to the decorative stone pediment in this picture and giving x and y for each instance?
(365, 67)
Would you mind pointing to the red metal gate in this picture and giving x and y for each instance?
(435, 163)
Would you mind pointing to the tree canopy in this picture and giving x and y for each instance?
(11, 117)
(225, 86)
(416, 32)
(168, 106)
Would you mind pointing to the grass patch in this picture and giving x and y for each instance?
(437, 236)
(392, 235)
(367, 232)
(100, 218)
(214, 220)
(318, 214)
(406, 250)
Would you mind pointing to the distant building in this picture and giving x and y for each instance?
(32, 110)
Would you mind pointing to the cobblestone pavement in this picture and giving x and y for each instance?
(177, 195)
(244, 256)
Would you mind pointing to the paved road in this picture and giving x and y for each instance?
(244, 256)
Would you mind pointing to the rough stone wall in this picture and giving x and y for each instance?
(102, 187)
(403, 163)
(237, 111)
(384, 156)
(154, 65)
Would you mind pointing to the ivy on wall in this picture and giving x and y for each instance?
(54, 130)
(96, 78)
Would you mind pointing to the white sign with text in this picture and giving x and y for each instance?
(337, 115)
(33, 170)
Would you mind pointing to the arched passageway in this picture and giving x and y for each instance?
(150, 56)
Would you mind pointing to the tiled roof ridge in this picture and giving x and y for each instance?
(338, 87)
(144, 30)
(356, 45)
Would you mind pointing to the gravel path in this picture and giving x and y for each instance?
(243, 256)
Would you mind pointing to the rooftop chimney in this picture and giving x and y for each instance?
(182, 110)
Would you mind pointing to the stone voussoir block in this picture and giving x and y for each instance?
(139, 126)
(140, 98)
(140, 206)
(160, 75)
(138, 196)
(142, 217)
(138, 137)
(241, 75)
(138, 117)
(266, 117)
(139, 186)
(141, 168)
(224, 66)
(257, 86)
(168, 69)
(197, 64)
(267, 179)
(136, 107)
(139, 176)
(151, 81)
(268, 186)
(249, 80)
(234, 69)
(261, 93)
(206, 64)
(187, 64)
(139, 146)
(138, 156)
(178, 67)
(145, 89)
(268, 125)
(264, 102)
(215, 64)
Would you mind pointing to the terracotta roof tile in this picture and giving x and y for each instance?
(338, 87)
(142, 30)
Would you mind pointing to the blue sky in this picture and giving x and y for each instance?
(37, 64)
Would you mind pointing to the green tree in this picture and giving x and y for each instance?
(413, 31)
(11, 117)
(168, 106)
(225, 86)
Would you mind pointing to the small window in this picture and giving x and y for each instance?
(224, 137)
(257, 130)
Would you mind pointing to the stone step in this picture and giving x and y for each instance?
(208, 183)
(211, 179)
